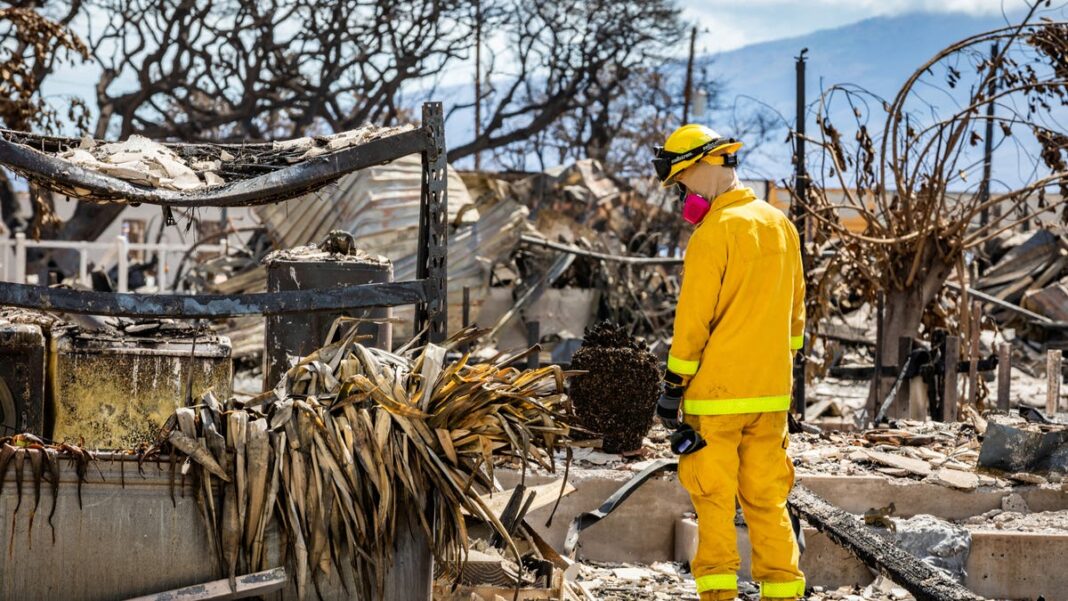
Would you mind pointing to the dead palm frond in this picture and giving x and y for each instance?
(355, 441)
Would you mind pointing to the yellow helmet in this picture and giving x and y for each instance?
(689, 144)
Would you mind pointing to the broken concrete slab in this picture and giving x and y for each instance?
(544, 494)
(999, 565)
(1014, 502)
(956, 478)
(915, 466)
(936, 541)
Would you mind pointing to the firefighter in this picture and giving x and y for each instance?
(740, 318)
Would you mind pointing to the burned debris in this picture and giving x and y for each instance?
(401, 380)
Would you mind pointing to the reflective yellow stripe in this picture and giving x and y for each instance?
(783, 590)
(717, 582)
(683, 368)
(796, 342)
(759, 404)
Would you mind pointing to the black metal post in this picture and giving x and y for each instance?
(466, 315)
(988, 142)
(432, 228)
(465, 312)
(478, 80)
(533, 339)
(797, 214)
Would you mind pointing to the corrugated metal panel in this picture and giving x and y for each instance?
(472, 252)
(380, 207)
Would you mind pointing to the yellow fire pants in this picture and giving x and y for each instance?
(745, 460)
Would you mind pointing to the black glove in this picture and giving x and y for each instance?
(667, 408)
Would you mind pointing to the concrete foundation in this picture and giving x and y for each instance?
(1003, 565)
(128, 541)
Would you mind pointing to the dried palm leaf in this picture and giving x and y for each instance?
(355, 441)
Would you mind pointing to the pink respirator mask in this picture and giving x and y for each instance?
(694, 206)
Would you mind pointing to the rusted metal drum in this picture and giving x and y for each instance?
(298, 334)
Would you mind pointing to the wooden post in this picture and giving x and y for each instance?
(901, 401)
(1004, 375)
(20, 258)
(83, 268)
(875, 397)
(918, 409)
(973, 355)
(949, 380)
(478, 80)
(1053, 381)
(122, 249)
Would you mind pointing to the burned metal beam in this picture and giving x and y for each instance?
(924, 581)
(585, 520)
(582, 252)
(249, 585)
(432, 258)
(289, 182)
(183, 306)
(1001, 303)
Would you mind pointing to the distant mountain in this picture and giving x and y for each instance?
(878, 54)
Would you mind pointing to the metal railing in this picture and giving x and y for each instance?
(13, 260)
(427, 291)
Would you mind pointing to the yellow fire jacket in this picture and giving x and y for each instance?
(741, 311)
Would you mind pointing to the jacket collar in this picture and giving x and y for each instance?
(735, 196)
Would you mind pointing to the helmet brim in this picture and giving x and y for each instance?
(676, 169)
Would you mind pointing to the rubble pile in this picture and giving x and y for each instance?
(581, 206)
(1027, 268)
(616, 395)
(670, 582)
(918, 450)
(1018, 519)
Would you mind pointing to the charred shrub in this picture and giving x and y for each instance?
(616, 399)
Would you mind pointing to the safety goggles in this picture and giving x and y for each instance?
(664, 159)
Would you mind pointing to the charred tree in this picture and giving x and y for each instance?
(898, 208)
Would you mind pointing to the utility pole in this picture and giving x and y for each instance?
(798, 216)
(988, 142)
(688, 93)
(478, 80)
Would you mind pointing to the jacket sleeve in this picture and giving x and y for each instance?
(702, 277)
(797, 319)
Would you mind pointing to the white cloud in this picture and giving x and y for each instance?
(725, 26)
(893, 7)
